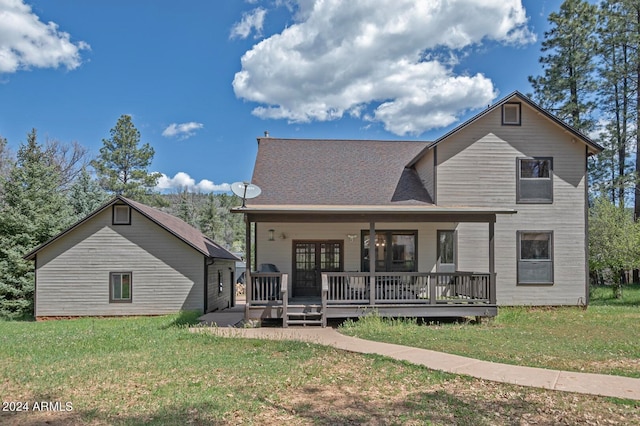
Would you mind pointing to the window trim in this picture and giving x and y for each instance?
(364, 264)
(455, 248)
(113, 216)
(517, 105)
(519, 178)
(519, 257)
(111, 298)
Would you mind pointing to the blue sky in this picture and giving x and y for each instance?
(202, 79)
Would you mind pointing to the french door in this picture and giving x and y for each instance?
(310, 260)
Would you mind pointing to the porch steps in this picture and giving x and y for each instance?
(304, 315)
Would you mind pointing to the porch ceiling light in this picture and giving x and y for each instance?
(271, 232)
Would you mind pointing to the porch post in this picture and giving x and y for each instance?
(492, 263)
(372, 263)
(247, 274)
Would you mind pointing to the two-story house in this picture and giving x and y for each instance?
(492, 213)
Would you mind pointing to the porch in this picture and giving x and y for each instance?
(398, 261)
(354, 294)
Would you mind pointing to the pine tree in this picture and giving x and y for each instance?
(617, 100)
(568, 83)
(122, 165)
(86, 195)
(33, 210)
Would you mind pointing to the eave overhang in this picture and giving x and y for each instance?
(362, 213)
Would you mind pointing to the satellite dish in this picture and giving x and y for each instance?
(245, 190)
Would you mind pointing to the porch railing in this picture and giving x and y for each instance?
(266, 286)
(386, 287)
(410, 287)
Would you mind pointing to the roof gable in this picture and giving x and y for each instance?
(177, 227)
(593, 147)
(337, 172)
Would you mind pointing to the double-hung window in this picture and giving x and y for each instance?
(534, 180)
(120, 287)
(535, 257)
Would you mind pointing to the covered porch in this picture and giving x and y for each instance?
(318, 284)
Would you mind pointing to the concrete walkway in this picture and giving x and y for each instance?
(593, 384)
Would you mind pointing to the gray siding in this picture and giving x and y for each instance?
(477, 167)
(73, 272)
(217, 299)
(426, 171)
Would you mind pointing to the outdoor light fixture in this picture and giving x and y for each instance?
(352, 237)
(271, 231)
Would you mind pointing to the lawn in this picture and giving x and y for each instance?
(154, 371)
(600, 339)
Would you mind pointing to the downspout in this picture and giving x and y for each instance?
(586, 226)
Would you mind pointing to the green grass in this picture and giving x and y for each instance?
(152, 370)
(600, 339)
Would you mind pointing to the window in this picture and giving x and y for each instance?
(511, 114)
(121, 215)
(120, 287)
(395, 251)
(535, 257)
(220, 282)
(446, 251)
(534, 180)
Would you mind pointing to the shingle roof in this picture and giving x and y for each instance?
(182, 230)
(172, 224)
(337, 172)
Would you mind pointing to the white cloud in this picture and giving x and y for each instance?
(395, 56)
(182, 180)
(183, 130)
(26, 42)
(253, 20)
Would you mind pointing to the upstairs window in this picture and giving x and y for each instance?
(121, 215)
(534, 180)
(511, 114)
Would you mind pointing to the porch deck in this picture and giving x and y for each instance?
(354, 294)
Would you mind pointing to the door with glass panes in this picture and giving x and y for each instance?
(310, 260)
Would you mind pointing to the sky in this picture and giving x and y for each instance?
(202, 79)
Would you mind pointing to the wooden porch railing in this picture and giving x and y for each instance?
(267, 286)
(409, 287)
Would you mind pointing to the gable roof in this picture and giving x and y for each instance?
(337, 172)
(594, 148)
(171, 224)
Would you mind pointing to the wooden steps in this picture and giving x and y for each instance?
(304, 315)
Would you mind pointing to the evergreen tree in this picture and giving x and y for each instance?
(5, 163)
(186, 208)
(568, 83)
(617, 95)
(86, 195)
(122, 165)
(33, 211)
